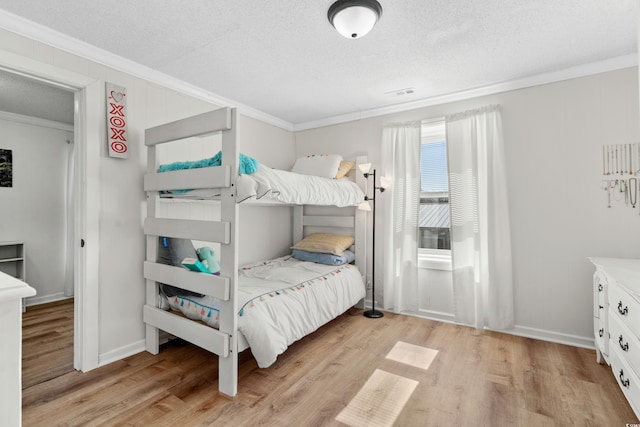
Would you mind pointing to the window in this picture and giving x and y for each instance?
(434, 222)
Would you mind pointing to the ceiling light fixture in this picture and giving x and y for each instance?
(354, 18)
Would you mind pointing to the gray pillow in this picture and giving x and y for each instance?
(172, 251)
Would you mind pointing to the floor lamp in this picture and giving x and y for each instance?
(384, 183)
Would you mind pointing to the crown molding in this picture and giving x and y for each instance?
(19, 118)
(612, 64)
(48, 36)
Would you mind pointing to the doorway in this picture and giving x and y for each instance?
(88, 98)
(37, 124)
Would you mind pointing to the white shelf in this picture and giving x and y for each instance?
(11, 259)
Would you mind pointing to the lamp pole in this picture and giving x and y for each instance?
(373, 313)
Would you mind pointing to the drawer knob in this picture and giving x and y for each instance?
(623, 381)
(621, 310)
(600, 287)
(601, 332)
(625, 346)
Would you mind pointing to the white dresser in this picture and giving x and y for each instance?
(12, 291)
(616, 322)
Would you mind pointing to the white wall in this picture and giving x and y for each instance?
(553, 135)
(33, 210)
(266, 232)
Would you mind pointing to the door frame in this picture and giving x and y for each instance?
(88, 94)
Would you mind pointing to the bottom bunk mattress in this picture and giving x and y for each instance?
(281, 301)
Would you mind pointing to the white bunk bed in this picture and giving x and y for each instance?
(226, 341)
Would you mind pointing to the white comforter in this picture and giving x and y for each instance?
(281, 301)
(297, 189)
(287, 187)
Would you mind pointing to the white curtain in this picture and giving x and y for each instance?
(401, 202)
(69, 223)
(480, 230)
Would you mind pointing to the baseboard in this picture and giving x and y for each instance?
(521, 331)
(45, 299)
(129, 350)
(121, 353)
(432, 315)
(552, 336)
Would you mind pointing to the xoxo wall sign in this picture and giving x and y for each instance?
(117, 121)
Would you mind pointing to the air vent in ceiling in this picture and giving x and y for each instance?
(399, 92)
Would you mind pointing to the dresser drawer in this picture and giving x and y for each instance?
(625, 308)
(626, 378)
(625, 342)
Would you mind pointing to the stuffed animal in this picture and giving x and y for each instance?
(207, 257)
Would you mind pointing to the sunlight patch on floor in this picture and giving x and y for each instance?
(413, 355)
(379, 401)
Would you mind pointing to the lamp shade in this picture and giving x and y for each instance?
(354, 18)
(385, 182)
(365, 167)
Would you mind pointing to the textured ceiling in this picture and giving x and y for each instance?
(284, 58)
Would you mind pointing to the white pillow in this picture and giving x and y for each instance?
(324, 165)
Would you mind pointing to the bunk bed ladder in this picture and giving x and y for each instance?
(223, 341)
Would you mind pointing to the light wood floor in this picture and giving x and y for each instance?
(476, 379)
(47, 341)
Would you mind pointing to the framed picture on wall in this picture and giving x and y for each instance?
(6, 168)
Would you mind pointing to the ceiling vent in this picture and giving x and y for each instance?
(399, 92)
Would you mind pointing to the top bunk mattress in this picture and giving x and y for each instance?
(287, 188)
